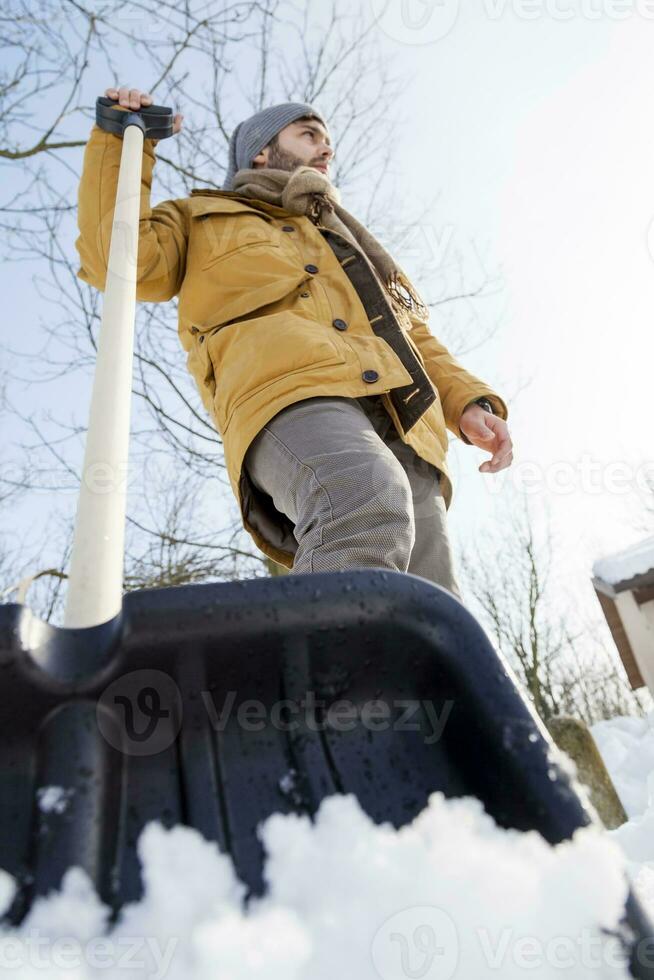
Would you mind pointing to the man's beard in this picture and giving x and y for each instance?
(282, 160)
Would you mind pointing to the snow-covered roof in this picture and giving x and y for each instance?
(638, 559)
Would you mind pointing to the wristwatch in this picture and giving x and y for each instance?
(485, 404)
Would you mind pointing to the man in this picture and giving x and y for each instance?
(309, 346)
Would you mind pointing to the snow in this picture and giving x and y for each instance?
(53, 799)
(450, 895)
(635, 560)
(627, 747)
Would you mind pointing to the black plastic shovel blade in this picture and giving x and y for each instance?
(217, 705)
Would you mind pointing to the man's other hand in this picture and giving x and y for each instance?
(489, 432)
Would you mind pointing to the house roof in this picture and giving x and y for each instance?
(630, 568)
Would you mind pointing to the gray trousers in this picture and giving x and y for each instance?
(359, 497)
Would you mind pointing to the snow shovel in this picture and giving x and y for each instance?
(217, 705)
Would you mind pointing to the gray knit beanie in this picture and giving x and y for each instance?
(253, 134)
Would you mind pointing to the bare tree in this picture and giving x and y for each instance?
(171, 551)
(559, 655)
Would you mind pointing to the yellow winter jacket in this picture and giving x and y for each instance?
(274, 309)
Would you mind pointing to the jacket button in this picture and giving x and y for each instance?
(311, 268)
(369, 375)
(194, 330)
(339, 324)
(201, 339)
(288, 228)
(305, 295)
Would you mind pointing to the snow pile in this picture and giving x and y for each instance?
(627, 747)
(449, 896)
(620, 567)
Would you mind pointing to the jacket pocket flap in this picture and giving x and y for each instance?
(199, 206)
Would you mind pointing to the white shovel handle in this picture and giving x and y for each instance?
(95, 583)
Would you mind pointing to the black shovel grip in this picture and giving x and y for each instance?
(155, 121)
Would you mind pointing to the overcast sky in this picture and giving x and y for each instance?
(531, 127)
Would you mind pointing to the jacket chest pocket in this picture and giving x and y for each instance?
(223, 236)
